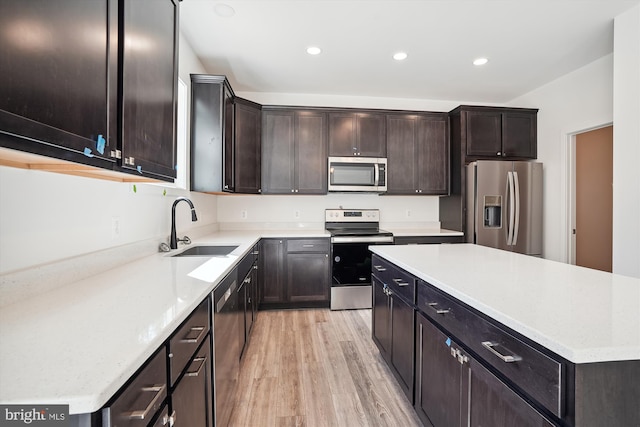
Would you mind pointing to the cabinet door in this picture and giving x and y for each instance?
(438, 377)
(381, 322)
(149, 85)
(59, 78)
(278, 172)
(307, 277)
(228, 138)
(192, 399)
(519, 134)
(342, 134)
(371, 135)
(493, 403)
(402, 167)
(311, 152)
(432, 155)
(402, 344)
(271, 268)
(248, 121)
(484, 133)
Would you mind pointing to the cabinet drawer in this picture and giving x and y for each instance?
(398, 280)
(143, 397)
(308, 245)
(187, 339)
(535, 373)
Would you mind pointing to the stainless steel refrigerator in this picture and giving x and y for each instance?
(504, 205)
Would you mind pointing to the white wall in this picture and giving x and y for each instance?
(315, 100)
(603, 92)
(626, 144)
(46, 217)
(578, 101)
(278, 212)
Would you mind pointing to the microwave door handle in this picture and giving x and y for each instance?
(376, 174)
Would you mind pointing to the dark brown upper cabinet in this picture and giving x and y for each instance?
(212, 129)
(58, 91)
(294, 151)
(91, 82)
(149, 32)
(247, 144)
(418, 154)
(498, 133)
(357, 134)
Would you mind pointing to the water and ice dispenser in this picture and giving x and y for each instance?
(492, 211)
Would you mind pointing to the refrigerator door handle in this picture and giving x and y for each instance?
(511, 196)
(516, 224)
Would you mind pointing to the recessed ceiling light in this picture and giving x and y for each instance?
(400, 56)
(480, 61)
(313, 50)
(224, 10)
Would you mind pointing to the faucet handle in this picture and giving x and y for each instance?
(186, 240)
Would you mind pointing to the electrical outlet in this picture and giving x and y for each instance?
(408, 213)
(115, 227)
(296, 214)
(243, 214)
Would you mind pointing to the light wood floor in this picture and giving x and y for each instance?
(317, 368)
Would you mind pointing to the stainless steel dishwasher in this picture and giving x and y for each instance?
(226, 347)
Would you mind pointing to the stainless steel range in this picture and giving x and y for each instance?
(352, 232)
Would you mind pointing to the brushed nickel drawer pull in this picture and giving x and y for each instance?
(141, 415)
(399, 282)
(197, 371)
(202, 331)
(379, 268)
(308, 246)
(434, 305)
(507, 358)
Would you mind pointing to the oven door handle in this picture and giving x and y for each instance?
(362, 239)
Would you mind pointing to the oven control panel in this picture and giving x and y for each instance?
(352, 215)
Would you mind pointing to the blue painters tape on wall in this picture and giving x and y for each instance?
(448, 342)
(87, 152)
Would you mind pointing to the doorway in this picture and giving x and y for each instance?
(592, 204)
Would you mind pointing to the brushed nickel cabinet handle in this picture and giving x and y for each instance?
(507, 358)
(197, 371)
(379, 268)
(141, 415)
(399, 282)
(202, 331)
(434, 305)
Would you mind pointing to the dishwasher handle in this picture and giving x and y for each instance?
(223, 299)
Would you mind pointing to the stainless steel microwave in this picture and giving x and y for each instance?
(364, 174)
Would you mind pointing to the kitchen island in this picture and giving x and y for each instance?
(579, 327)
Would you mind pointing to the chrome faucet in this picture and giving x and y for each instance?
(194, 217)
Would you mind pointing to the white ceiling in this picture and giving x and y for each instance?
(528, 42)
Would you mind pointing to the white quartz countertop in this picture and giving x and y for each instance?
(581, 314)
(78, 344)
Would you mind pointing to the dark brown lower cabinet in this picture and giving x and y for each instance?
(393, 332)
(191, 399)
(294, 273)
(455, 389)
(308, 276)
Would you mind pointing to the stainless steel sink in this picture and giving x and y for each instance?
(208, 251)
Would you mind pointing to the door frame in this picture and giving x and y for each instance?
(569, 223)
